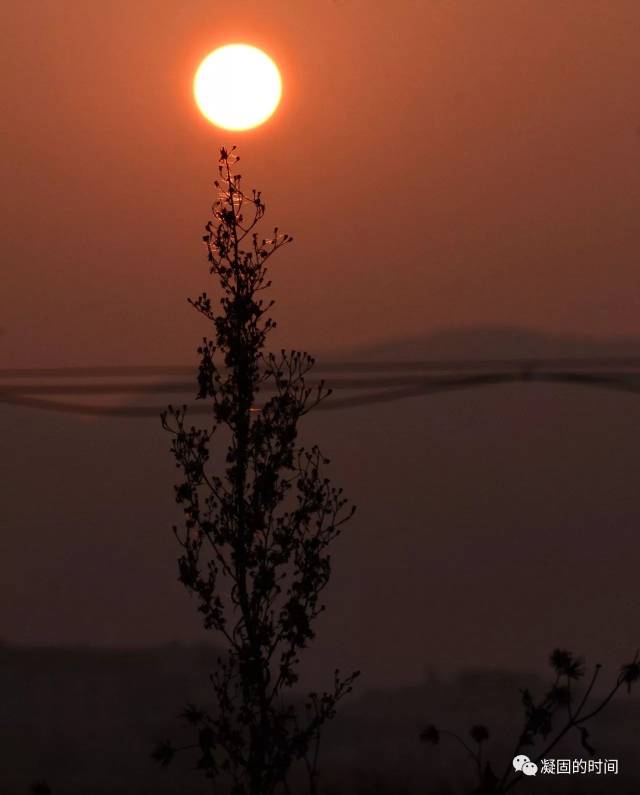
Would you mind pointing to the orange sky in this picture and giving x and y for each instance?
(439, 163)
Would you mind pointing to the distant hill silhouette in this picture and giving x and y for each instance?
(500, 342)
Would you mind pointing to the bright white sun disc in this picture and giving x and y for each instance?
(237, 87)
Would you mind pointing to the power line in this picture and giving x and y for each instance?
(391, 381)
(343, 365)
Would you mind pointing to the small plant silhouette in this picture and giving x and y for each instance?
(259, 516)
(546, 722)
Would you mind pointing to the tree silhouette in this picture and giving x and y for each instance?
(259, 516)
(561, 711)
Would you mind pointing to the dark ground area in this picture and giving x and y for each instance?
(85, 721)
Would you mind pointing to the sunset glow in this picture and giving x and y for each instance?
(237, 87)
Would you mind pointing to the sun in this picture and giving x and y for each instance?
(237, 87)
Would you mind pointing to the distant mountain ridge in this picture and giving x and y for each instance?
(500, 342)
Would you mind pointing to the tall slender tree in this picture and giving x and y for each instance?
(259, 516)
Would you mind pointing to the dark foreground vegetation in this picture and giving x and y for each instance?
(85, 721)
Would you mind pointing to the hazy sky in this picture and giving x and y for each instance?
(440, 164)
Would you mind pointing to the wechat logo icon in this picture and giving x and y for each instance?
(524, 765)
